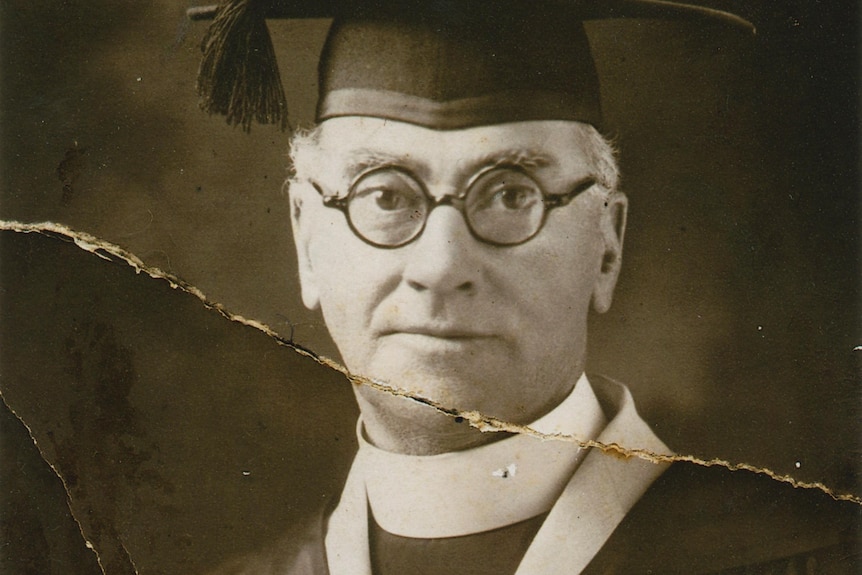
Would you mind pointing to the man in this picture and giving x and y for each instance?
(456, 215)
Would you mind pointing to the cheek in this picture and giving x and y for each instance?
(352, 278)
(561, 297)
(560, 278)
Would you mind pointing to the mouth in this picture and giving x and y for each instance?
(444, 333)
(433, 342)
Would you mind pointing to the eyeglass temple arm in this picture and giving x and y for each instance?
(556, 201)
(330, 201)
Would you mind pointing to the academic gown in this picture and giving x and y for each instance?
(691, 519)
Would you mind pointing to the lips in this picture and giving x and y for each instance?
(440, 332)
(454, 343)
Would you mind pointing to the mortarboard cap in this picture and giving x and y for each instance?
(443, 64)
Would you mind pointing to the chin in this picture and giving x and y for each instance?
(446, 385)
(413, 427)
(394, 406)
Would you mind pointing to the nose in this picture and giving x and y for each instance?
(442, 259)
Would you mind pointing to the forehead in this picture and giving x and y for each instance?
(349, 143)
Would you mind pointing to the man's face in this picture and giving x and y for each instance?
(472, 326)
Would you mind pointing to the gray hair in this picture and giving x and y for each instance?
(305, 146)
(602, 156)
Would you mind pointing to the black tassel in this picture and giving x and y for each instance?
(238, 76)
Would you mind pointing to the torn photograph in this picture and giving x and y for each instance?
(419, 287)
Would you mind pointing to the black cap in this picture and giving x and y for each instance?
(443, 64)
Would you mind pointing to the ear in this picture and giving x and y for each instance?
(301, 238)
(612, 228)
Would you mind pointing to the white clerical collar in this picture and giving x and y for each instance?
(593, 503)
(483, 488)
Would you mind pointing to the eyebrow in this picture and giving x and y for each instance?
(366, 159)
(520, 157)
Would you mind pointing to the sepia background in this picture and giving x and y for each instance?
(183, 438)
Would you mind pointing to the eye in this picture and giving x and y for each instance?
(504, 206)
(387, 190)
(514, 198)
(505, 191)
(388, 199)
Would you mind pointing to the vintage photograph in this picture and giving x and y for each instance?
(383, 287)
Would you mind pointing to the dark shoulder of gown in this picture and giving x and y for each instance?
(697, 519)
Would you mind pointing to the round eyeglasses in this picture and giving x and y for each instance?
(388, 207)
